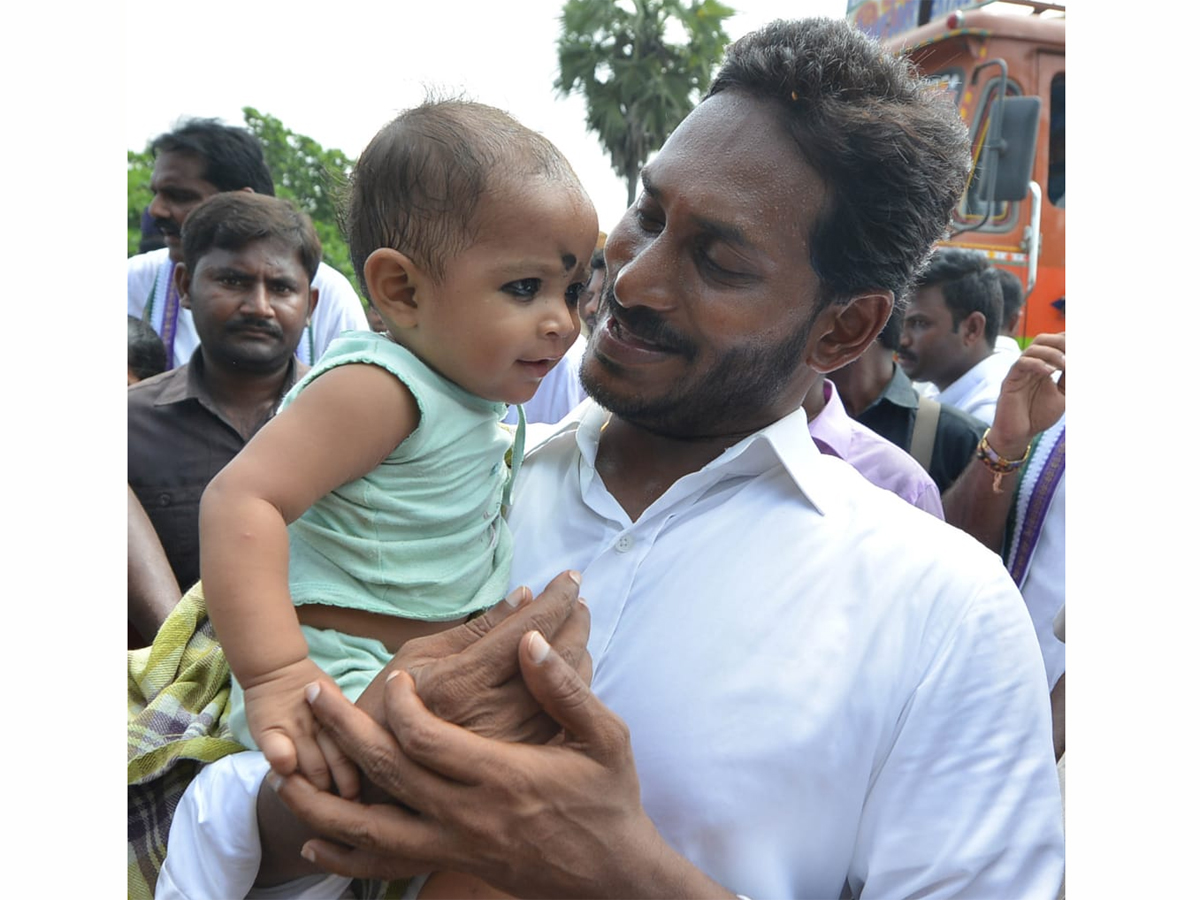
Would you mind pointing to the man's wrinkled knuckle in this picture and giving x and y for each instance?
(614, 740)
(380, 765)
(362, 834)
(572, 693)
(419, 741)
(454, 699)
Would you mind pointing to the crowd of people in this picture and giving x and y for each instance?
(815, 501)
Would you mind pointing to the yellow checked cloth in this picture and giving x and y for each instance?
(178, 693)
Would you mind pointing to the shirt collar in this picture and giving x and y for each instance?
(899, 390)
(830, 428)
(187, 383)
(785, 442)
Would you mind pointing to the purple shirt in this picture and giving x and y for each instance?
(877, 459)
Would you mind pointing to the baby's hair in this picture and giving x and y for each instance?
(416, 187)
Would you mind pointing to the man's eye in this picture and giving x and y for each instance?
(646, 221)
(575, 292)
(713, 266)
(526, 288)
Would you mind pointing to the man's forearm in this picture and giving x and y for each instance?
(153, 590)
(979, 500)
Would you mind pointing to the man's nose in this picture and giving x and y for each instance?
(644, 278)
(258, 301)
(158, 209)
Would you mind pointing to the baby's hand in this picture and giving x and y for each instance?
(290, 738)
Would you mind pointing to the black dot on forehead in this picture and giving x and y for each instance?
(569, 262)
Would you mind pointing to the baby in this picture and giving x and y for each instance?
(368, 511)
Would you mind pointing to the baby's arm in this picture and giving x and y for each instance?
(340, 427)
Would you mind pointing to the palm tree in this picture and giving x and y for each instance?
(637, 84)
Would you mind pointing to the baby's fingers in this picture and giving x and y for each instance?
(345, 772)
(311, 762)
(279, 750)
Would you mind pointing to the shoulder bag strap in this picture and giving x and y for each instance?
(925, 430)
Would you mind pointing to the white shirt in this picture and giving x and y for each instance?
(815, 697)
(823, 684)
(560, 391)
(338, 307)
(977, 390)
(1007, 348)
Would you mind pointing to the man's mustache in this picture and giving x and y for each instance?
(644, 323)
(166, 226)
(265, 326)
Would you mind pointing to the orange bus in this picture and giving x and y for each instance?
(1014, 207)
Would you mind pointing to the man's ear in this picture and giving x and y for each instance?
(392, 283)
(972, 328)
(183, 281)
(843, 331)
(312, 302)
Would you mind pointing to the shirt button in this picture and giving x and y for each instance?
(624, 543)
(164, 500)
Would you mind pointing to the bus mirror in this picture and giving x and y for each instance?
(1018, 135)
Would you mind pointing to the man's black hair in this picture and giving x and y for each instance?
(892, 153)
(231, 220)
(233, 157)
(147, 355)
(969, 284)
(1013, 292)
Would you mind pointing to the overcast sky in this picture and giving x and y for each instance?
(341, 71)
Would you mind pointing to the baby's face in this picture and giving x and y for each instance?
(507, 309)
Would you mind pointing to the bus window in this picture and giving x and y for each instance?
(973, 207)
(1056, 180)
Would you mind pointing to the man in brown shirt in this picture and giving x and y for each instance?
(250, 298)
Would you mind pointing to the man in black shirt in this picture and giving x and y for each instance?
(250, 296)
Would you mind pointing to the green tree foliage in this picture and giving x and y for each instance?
(638, 84)
(308, 175)
(141, 167)
(304, 172)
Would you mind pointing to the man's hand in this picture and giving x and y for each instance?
(535, 820)
(468, 675)
(1030, 400)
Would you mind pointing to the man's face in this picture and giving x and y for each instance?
(179, 187)
(931, 348)
(249, 306)
(705, 317)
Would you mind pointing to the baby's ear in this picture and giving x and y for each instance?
(392, 280)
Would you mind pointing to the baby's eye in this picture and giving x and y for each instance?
(574, 292)
(525, 287)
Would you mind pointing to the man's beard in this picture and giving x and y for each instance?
(735, 391)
